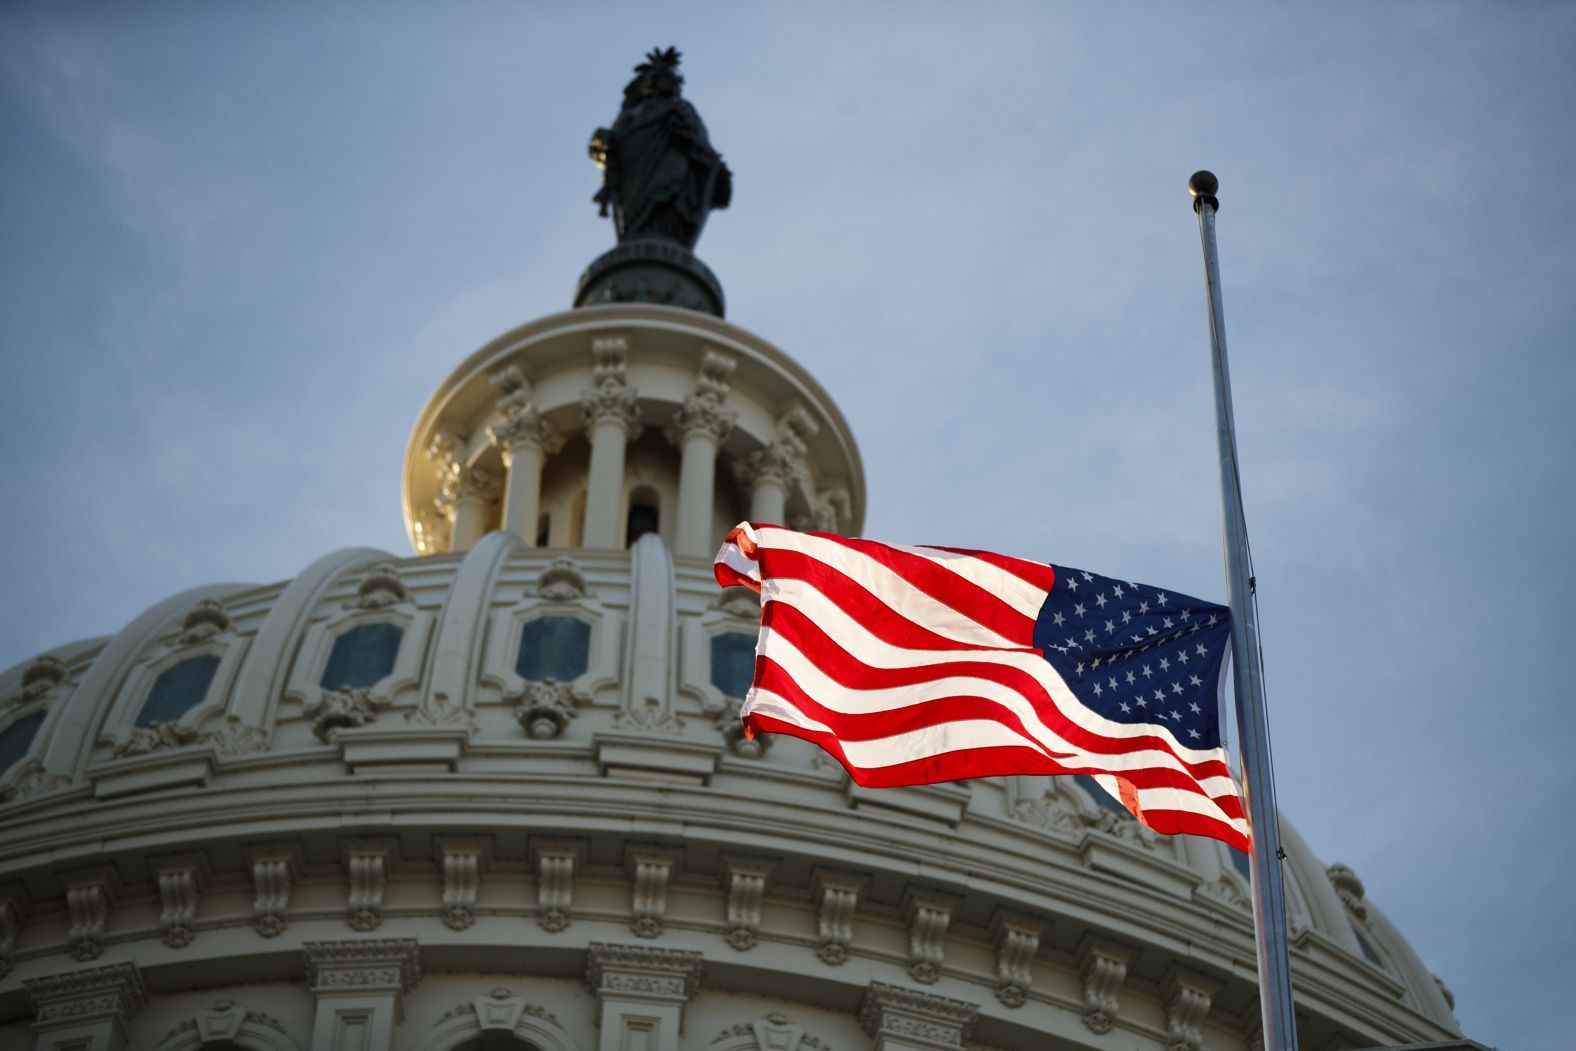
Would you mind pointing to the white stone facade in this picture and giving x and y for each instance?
(453, 851)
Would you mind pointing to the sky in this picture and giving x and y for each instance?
(244, 242)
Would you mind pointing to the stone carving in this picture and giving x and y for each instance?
(500, 1010)
(381, 588)
(890, 1010)
(14, 905)
(660, 175)
(837, 898)
(38, 678)
(273, 873)
(373, 964)
(522, 427)
(650, 717)
(1103, 967)
(31, 781)
(180, 884)
(1444, 990)
(650, 869)
(205, 620)
(732, 729)
(613, 401)
(739, 603)
(222, 1022)
(774, 1032)
(1227, 891)
(350, 706)
(834, 508)
(545, 708)
(1349, 888)
(432, 530)
(88, 900)
(367, 866)
(699, 415)
(1187, 997)
(514, 389)
(115, 991)
(645, 969)
(462, 873)
(155, 737)
(562, 581)
(233, 737)
(746, 882)
(555, 883)
(435, 709)
(1017, 943)
(928, 915)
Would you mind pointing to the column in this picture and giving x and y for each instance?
(86, 1010)
(641, 992)
(612, 415)
(698, 429)
(477, 488)
(767, 470)
(358, 986)
(900, 1019)
(524, 439)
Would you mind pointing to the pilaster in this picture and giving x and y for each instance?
(359, 988)
(641, 992)
(86, 1010)
(899, 1019)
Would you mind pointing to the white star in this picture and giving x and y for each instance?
(1112, 682)
(1080, 668)
(1176, 687)
(1072, 583)
(1202, 652)
(1212, 619)
(1150, 629)
(1193, 734)
(1089, 635)
(1110, 626)
(1127, 616)
(1086, 575)
(1195, 680)
(1195, 708)
(1165, 665)
(1126, 707)
(1130, 679)
(1177, 716)
(1117, 590)
(1143, 608)
(1078, 608)
(1097, 690)
(1161, 598)
(1147, 672)
(1182, 656)
(1141, 702)
(1058, 619)
(1187, 613)
(1160, 695)
(1099, 600)
(1167, 623)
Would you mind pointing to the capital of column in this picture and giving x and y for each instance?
(643, 970)
(523, 429)
(370, 965)
(910, 1018)
(773, 462)
(700, 414)
(115, 994)
(480, 483)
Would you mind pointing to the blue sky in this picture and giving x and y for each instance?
(245, 241)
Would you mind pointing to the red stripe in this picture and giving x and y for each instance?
(1039, 574)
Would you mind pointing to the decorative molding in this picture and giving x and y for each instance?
(746, 881)
(367, 864)
(611, 398)
(381, 588)
(113, 993)
(562, 581)
(833, 509)
(478, 483)
(773, 1032)
(31, 780)
(90, 894)
(1349, 888)
(181, 881)
(1187, 997)
(205, 620)
(226, 1020)
(1017, 942)
(15, 905)
(1103, 968)
(928, 915)
(462, 861)
(513, 387)
(373, 965)
(650, 869)
(522, 428)
(500, 1010)
(890, 1010)
(731, 727)
(38, 678)
(157, 737)
(667, 974)
(347, 707)
(556, 861)
(274, 871)
(234, 738)
(544, 708)
(836, 897)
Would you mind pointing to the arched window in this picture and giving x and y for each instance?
(362, 656)
(732, 663)
(178, 689)
(17, 738)
(556, 648)
(642, 515)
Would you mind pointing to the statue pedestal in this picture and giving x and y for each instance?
(650, 270)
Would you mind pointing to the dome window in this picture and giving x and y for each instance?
(642, 515)
(178, 690)
(362, 656)
(732, 663)
(557, 648)
(17, 738)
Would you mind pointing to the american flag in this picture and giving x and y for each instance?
(913, 665)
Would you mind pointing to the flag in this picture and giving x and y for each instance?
(913, 665)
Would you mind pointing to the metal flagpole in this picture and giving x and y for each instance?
(1269, 896)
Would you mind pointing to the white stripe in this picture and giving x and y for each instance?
(735, 559)
(1010, 588)
(903, 598)
(854, 637)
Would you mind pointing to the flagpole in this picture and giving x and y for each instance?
(1269, 896)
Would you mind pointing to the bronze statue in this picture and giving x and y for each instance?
(659, 172)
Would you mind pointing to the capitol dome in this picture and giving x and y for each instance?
(496, 794)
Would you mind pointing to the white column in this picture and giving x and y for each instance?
(524, 439)
(641, 992)
(477, 488)
(698, 428)
(767, 471)
(358, 986)
(86, 1010)
(612, 414)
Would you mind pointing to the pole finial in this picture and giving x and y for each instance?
(1203, 186)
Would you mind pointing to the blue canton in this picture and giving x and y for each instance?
(1137, 654)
